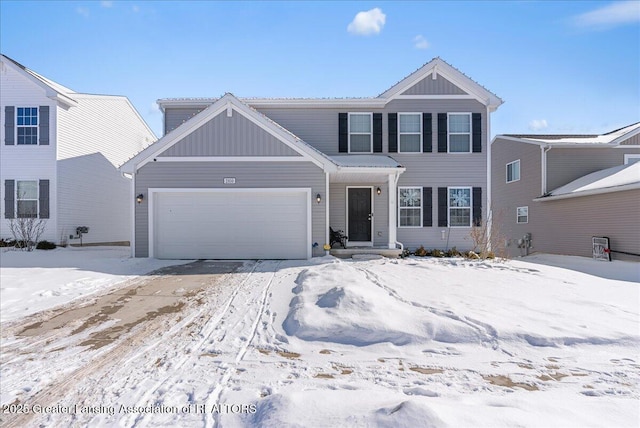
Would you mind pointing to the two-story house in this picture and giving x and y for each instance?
(268, 178)
(560, 191)
(59, 157)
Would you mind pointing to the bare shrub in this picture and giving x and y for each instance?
(27, 231)
(488, 239)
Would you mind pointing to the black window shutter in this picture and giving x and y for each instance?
(442, 207)
(476, 125)
(43, 197)
(9, 198)
(343, 133)
(477, 206)
(426, 133)
(442, 132)
(43, 120)
(377, 132)
(393, 132)
(427, 207)
(9, 126)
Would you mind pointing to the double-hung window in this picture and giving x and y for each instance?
(360, 132)
(513, 171)
(460, 206)
(409, 132)
(27, 198)
(410, 206)
(27, 125)
(459, 132)
(522, 214)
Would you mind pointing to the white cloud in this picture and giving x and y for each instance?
(420, 42)
(154, 108)
(106, 3)
(367, 23)
(538, 124)
(83, 11)
(613, 15)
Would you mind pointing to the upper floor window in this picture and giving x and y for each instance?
(27, 125)
(360, 132)
(410, 206)
(631, 158)
(410, 132)
(459, 130)
(513, 171)
(460, 206)
(27, 198)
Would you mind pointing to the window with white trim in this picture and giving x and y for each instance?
(459, 130)
(631, 158)
(409, 132)
(410, 206)
(360, 132)
(27, 125)
(513, 171)
(522, 214)
(459, 206)
(27, 198)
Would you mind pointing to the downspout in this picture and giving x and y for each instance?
(543, 155)
(489, 208)
(326, 228)
(132, 198)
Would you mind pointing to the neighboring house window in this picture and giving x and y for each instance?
(459, 132)
(410, 206)
(360, 132)
(460, 206)
(27, 125)
(27, 199)
(513, 171)
(630, 158)
(522, 214)
(410, 132)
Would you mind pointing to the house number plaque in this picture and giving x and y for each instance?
(229, 180)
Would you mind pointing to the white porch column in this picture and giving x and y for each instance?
(393, 210)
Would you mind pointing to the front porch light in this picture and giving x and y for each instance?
(318, 198)
(139, 198)
(379, 191)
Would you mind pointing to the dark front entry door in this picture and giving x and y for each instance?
(359, 200)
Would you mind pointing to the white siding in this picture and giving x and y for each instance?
(27, 162)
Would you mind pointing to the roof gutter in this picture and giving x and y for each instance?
(632, 186)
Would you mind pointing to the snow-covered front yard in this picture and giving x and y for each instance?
(395, 343)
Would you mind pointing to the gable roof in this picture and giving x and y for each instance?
(615, 179)
(54, 90)
(611, 138)
(436, 67)
(228, 103)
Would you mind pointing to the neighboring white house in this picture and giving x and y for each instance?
(59, 156)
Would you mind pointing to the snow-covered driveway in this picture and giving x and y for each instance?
(414, 342)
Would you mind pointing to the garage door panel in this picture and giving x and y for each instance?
(231, 225)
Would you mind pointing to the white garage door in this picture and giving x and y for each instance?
(255, 224)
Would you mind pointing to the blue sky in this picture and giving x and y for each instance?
(560, 67)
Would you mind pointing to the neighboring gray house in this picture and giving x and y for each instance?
(267, 178)
(59, 156)
(565, 189)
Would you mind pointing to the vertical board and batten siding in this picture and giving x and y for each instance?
(95, 138)
(203, 175)
(338, 210)
(440, 86)
(572, 222)
(567, 164)
(176, 116)
(507, 197)
(27, 162)
(230, 136)
(319, 127)
(632, 141)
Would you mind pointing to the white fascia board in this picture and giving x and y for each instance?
(632, 186)
(626, 136)
(320, 102)
(370, 170)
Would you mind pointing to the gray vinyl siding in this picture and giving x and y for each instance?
(319, 126)
(632, 141)
(211, 174)
(507, 197)
(571, 223)
(229, 136)
(174, 116)
(567, 164)
(338, 210)
(440, 86)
